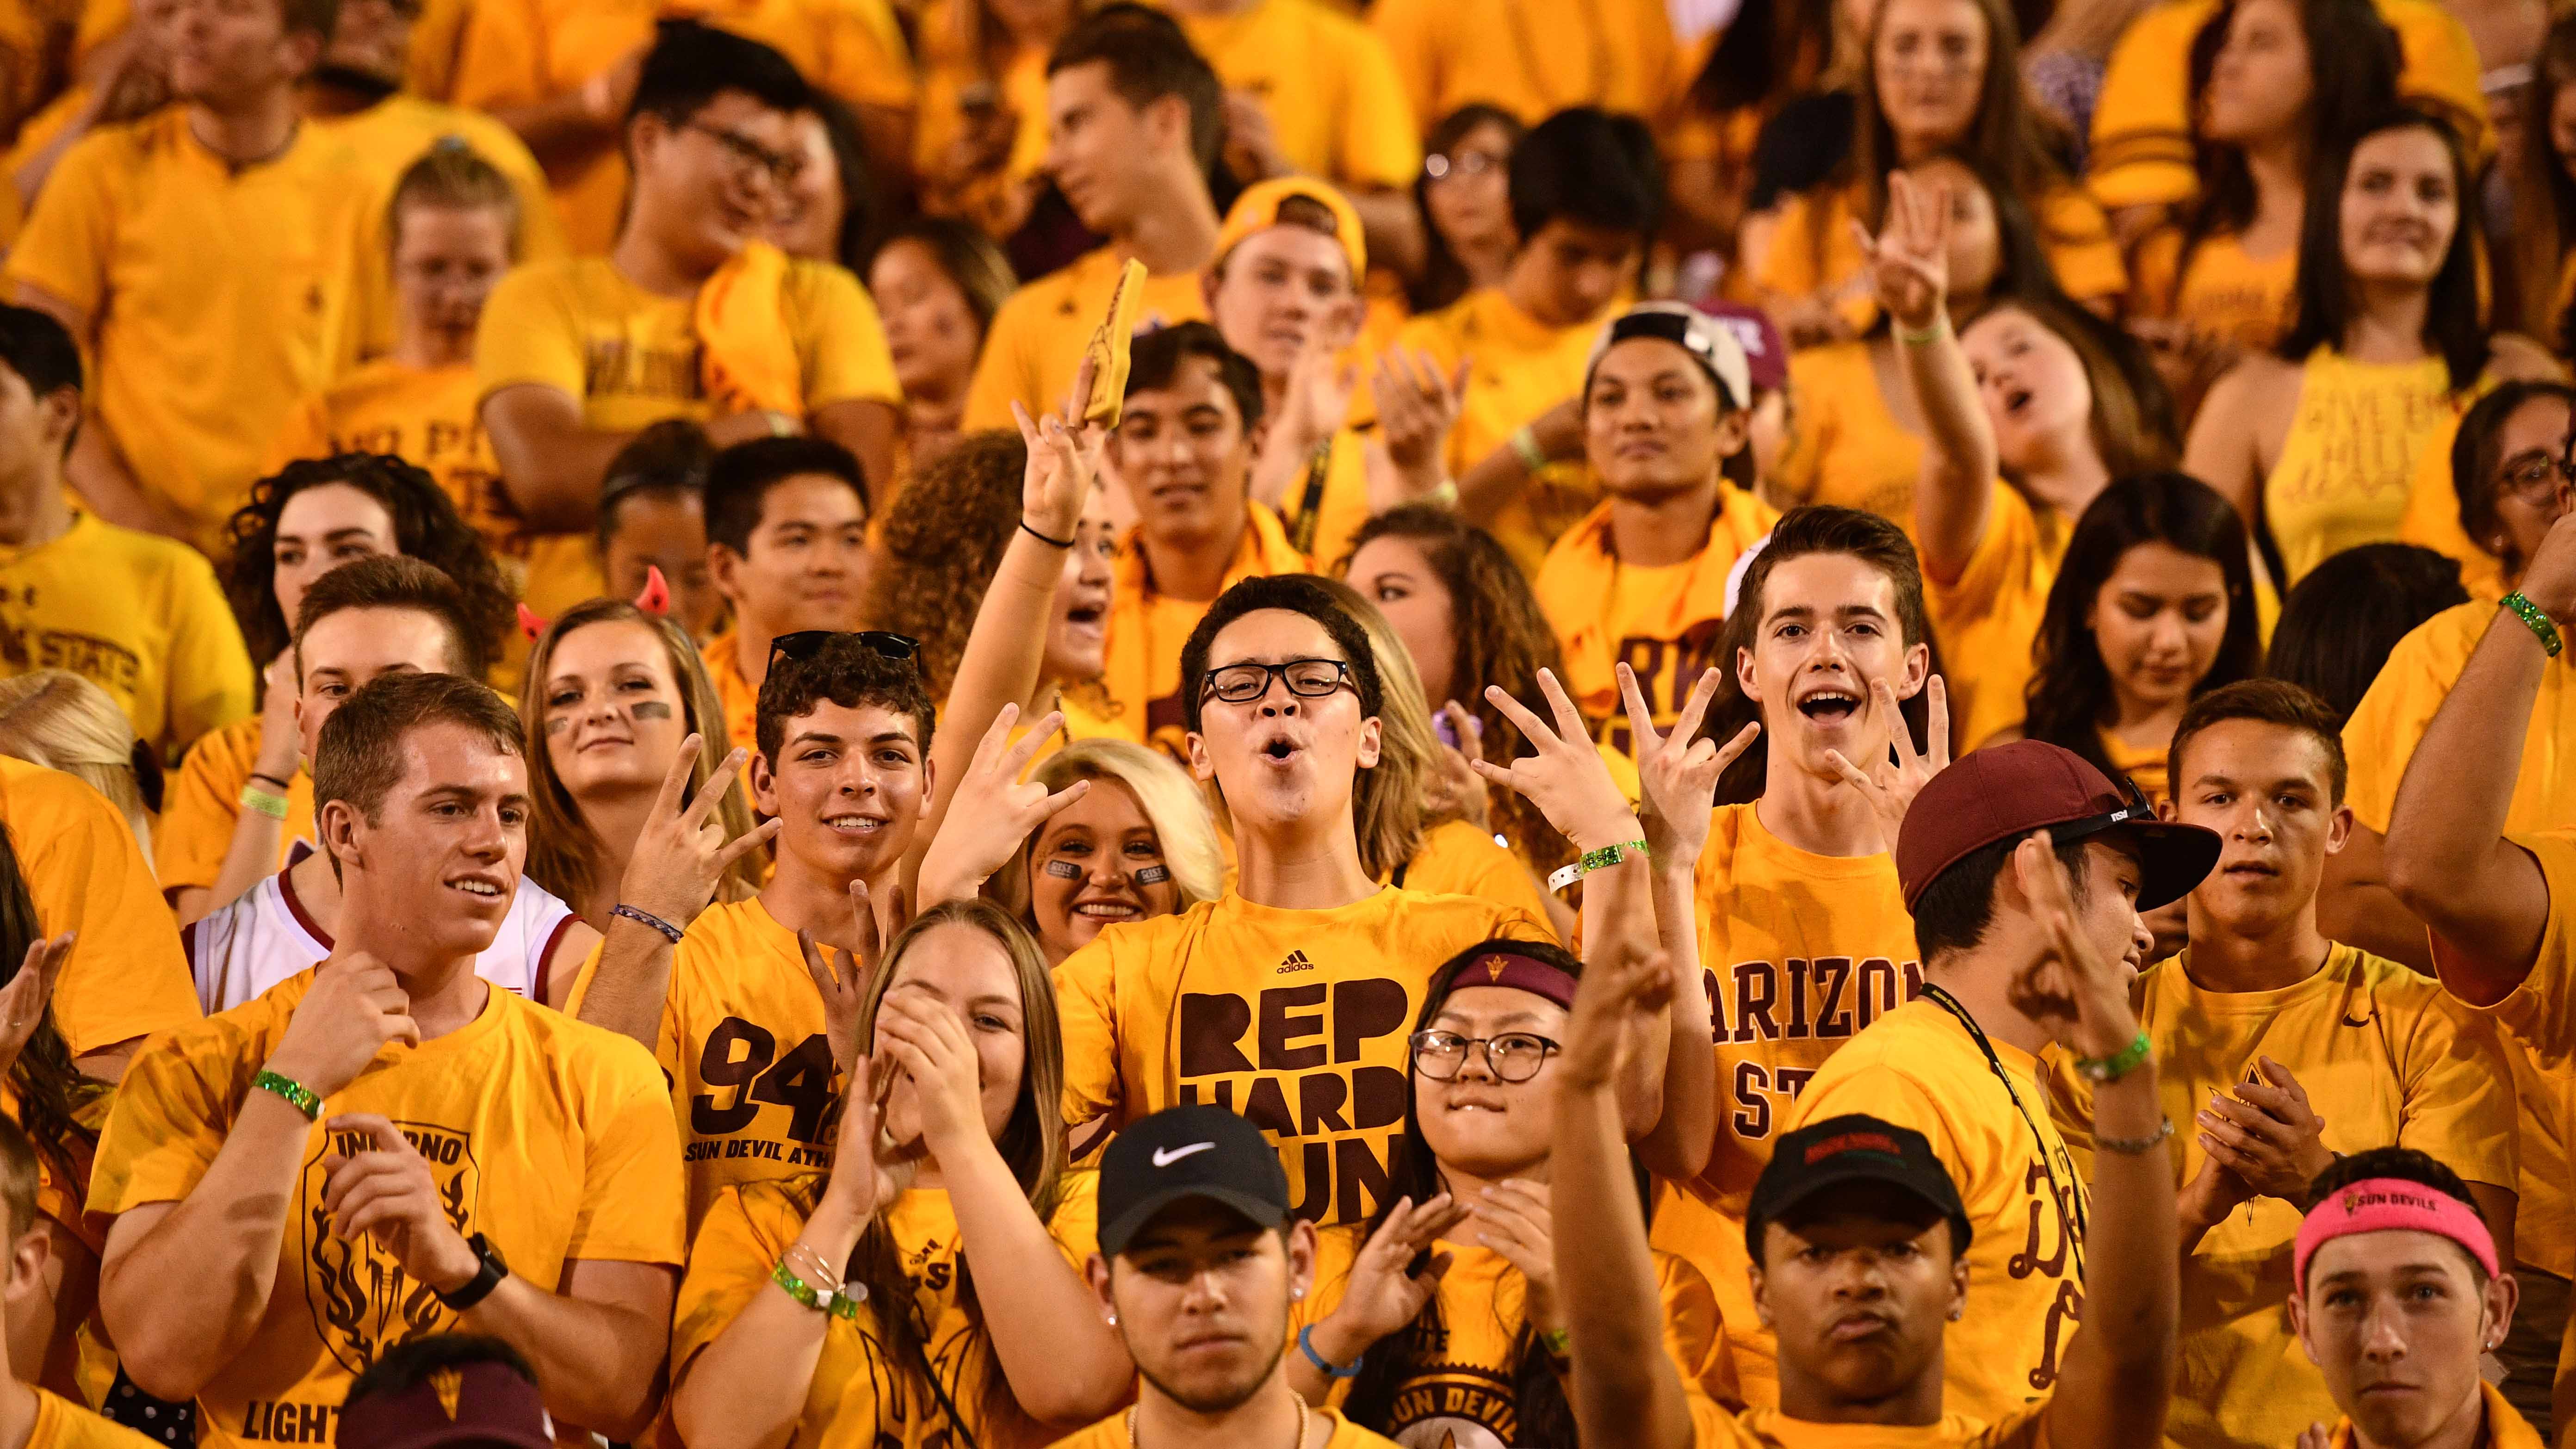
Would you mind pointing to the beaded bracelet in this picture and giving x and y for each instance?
(2133, 1146)
(299, 1096)
(2541, 624)
(832, 1303)
(2102, 1071)
(648, 918)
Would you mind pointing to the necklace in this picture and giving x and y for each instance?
(1305, 1421)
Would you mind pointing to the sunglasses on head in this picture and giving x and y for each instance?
(807, 643)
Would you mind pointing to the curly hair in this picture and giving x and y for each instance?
(943, 539)
(426, 527)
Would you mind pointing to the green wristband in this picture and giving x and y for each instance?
(829, 1304)
(1592, 860)
(1525, 447)
(2102, 1071)
(299, 1096)
(2541, 624)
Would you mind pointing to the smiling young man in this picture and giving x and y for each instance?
(726, 999)
(691, 314)
(1185, 448)
(787, 547)
(1133, 119)
(2283, 1051)
(1804, 938)
(388, 1146)
(380, 616)
(1200, 1263)
(1960, 1063)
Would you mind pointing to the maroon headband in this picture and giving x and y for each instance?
(1511, 969)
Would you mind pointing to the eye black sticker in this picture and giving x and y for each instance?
(1064, 870)
(1153, 875)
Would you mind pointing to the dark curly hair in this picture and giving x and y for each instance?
(426, 527)
(943, 539)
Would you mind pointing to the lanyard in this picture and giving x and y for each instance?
(1944, 1000)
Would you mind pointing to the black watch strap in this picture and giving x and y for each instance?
(480, 1286)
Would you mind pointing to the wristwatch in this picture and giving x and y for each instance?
(480, 1286)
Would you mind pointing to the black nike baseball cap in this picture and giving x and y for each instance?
(1854, 1147)
(1187, 1152)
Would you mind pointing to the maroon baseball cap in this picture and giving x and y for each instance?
(2008, 790)
(1766, 355)
(481, 1405)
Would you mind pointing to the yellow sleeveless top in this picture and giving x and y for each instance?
(2350, 458)
(1850, 449)
(2222, 290)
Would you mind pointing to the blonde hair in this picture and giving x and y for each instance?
(1406, 739)
(63, 722)
(452, 175)
(563, 851)
(1173, 804)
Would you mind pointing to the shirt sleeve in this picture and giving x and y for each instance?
(162, 1135)
(65, 247)
(199, 811)
(127, 976)
(1880, 1090)
(1086, 997)
(211, 681)
(1005, 374)
(633, 1195)
(2459, 1102)
(1695, 1334)
(2388, 723)
(840, 342)
(529, 333)
(2542, 1010)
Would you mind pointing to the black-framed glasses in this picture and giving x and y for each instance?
(1305, 678)
(1514, 1056)
(749, 155)
(806, 643)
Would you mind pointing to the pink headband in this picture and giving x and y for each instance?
(2390, 1204)
(1519, 973)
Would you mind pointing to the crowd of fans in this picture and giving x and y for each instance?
(1748, 725)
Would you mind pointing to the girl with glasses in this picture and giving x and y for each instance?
(1389, 1335)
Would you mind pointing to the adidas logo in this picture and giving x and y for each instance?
(1296, 962)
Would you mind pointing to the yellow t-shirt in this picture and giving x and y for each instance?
(851, 48)
(1534, 58)
(2505, 1426)
(2390, 720)
(1520, 368)
(2223, 292)
(2536, 1020)
(397, 131)
(1770, 1429)
(1664, 623)
(1461, 1389)
(1327, 84)
(1036, 340)
(218, 297)
(136, 614)
(862, 1396)
(547, 1136)
(1457, 859)
(1988, 617)
(203, 803)
(734, 689)
(1142, 674)
(1918, 1067)
(518, 53)
(1111, 1433)
(2142, 153)
(2350, 457)
(1800, 953)
(1814, 255)
(1296, 1019)
(126, 977)
(1850, 450)
(62, 1424)
(2391, 1062)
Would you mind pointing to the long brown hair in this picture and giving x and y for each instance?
(2007, 142)
(1032, 1143)
(563, 851)
(53, 1095)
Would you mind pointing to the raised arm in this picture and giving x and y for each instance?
(2446, 854)
(1625, 1388)
(996, 811)
(1909, 266)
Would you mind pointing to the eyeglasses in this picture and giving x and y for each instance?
(806, 643)
(2535, 476)
(1464, 163)
(1305, 678)
(1515, 1056)
(748, 155)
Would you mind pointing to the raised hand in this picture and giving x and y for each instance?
(994, 810)
(1909, 261)
(1416, 409)
(356, 1005)
(1454, 788)
(2074, 993)
(384, 1191)
(2267, 1134)
(1064, 461)
(2211, 1195)
(1565, 779)
(1677, 771)
(280, 744)
(681, 852)
(1890, 787)
(1320, 388)
(1384, 1294)
(1512, 1218)
(1618, 1003)
(2550, 579)
(24, 1001)
(862, 1179)
(927, 1041)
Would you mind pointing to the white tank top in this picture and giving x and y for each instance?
(265, 937)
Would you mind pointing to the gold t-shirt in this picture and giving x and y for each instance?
(1457, 859)
(1296, 1019)
(203, 804)
(2390, 1061)
(62, 1424)
(1988, 617)
(1919, 1068)
(1328, 85)
(86, 872)
(1534, 58)
(1800, 953)
(1850, 449)
(2390, 721)
(549, 1137)
(2222, 291)
(1111, 1433)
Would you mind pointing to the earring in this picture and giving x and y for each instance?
(1298, 1294)
(1113, 1318)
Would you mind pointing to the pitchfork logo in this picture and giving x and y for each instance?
(363, 1302)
